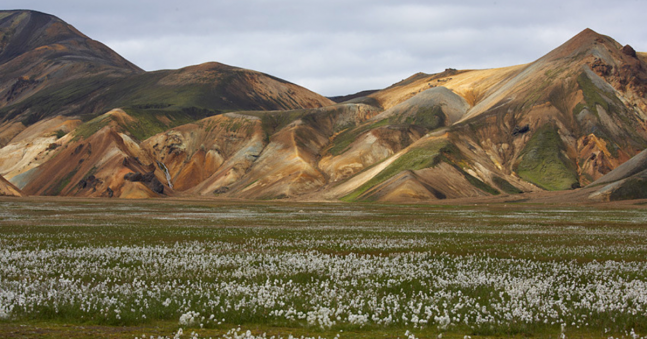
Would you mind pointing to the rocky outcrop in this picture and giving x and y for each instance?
(628, 50)
(149, 179)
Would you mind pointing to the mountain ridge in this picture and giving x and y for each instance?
(560, 122)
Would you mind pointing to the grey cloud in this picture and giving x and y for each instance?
(338, 47)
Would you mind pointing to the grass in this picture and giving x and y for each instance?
(87, 129)
(416, 159)
(39, 330)
(634, 188)
(343, 140)
(59, 134)
(544, 163)
(152, 121)
(535, 235)
(148, 121)
(430, 118)
(92, 96)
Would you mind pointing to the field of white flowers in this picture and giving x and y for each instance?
(359, 268)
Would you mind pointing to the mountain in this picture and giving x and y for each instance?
(569, 119)
(558, 123)
(49, 69)
(39, 50)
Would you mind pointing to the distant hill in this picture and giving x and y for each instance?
(344, 98)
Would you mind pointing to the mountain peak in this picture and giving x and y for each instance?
(585, 41)
(26, 31)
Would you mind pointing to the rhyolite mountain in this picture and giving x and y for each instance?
(49, 69)
(82, 121)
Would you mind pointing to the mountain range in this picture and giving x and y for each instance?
(77, 119)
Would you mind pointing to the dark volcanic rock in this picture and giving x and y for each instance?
(221, 190)
(520, 130)
(151, 182)
(628, 50)
(149, 179)
(133, 176)
(89, 182)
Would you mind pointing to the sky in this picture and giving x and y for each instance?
(339, 47)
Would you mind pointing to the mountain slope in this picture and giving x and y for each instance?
(8, 189)
(48, 68)
(38, 50)
(558, 123)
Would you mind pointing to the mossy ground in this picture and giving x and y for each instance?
(544, 163)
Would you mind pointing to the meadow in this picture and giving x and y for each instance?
(199, 269)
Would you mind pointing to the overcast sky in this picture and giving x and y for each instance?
(337, 47)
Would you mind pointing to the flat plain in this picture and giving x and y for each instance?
(99, 268)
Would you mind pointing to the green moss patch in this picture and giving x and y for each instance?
(430, 118)
(592, 94)
(416, 159)
(453, 156)
(543, 162)
(150, 122)
(425, 156)
(93, 126)
(343, 140)
(505, 186)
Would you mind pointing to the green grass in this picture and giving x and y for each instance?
(634, 188)
(273, 122)
(54, 330)
(418, 158)
(537, 235)
(91, 127)
(421, 157)
(544, 163)
(59, 134)
(150, 122)
(430, 118)
(92, 96)
(453, 156)
(343, 140)
(479, 184)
